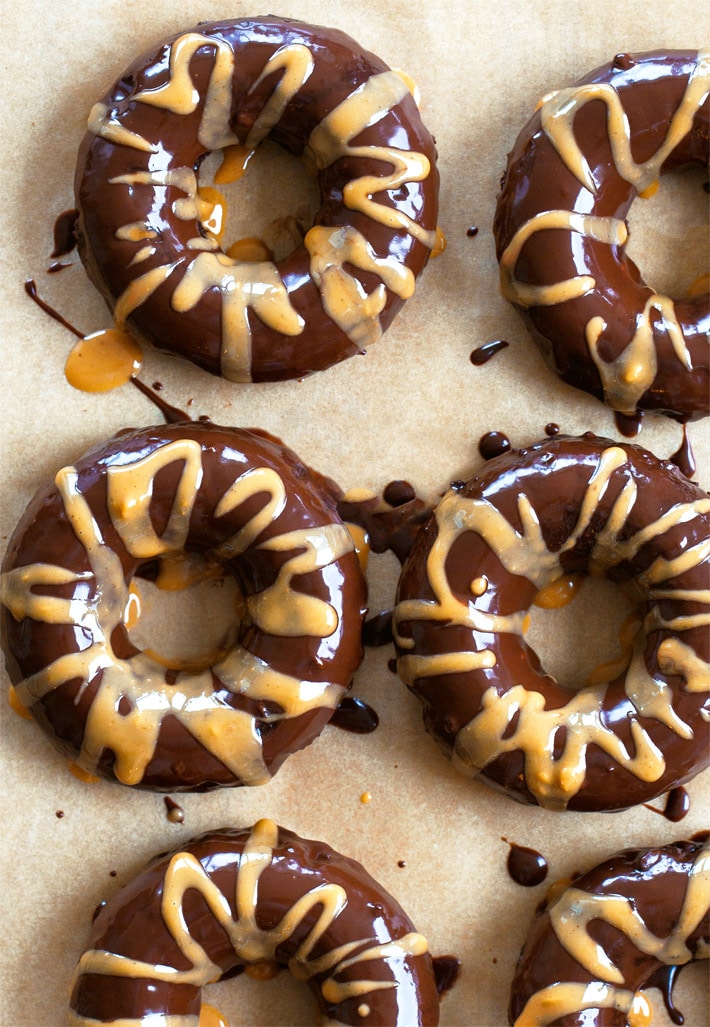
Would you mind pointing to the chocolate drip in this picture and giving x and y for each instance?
(64, 237)
(665, 979)
(377, 630)
(174, 812)
(683, 457)
(552, 429)
(446, 972)
(489, 349)
(172, 415)
(388, 526)
(58, 265)
(356, 716)
(526, 866)
(31, 290)
(472, 231)
(628, 425)
(493, 443)
(677, 805)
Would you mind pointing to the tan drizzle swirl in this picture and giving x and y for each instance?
(571, 915)
(554, 780)
(258, 286)
(229, 734)
(626, 378)
(251, 943)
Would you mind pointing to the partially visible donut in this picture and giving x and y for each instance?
(530, 517)
(592, 950)
(572, 176)
(245, 502)
(142, 223)
(235, 898)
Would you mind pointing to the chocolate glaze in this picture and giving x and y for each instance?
(45, 536)
(484, 353)
(554, 476)
(340, 67)
(526, 866)
(355, 715)
(377, 630)
(654, 883)
(64, 237)
(132, 924)
(650, 88)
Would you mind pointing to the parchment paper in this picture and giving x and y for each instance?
(414, 407)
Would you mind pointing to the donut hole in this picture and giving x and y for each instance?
(185, 611)
(668, 236)
(269, 1000)
(266, 212)
(584, 639)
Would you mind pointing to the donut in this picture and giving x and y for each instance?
(143, 224)
(594, 947)
(560, 232)
(240, 501)
(529, 519)
(262, 896)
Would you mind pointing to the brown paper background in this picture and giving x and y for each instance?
(413, 408)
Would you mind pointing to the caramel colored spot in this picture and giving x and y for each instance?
(366, 798)
(103, 361)
(177, 571)
(649, 191)
(363, 1010)
(440, 244)
(611, 669)
(212, 212)
(559, 592)
(699, 286)
(234, 164)
(527, 620)
(479, 586)
(82, 775)
(211, 1017)
(265, 971)
(15, 704)
(250, 250)
(361, 541)
(641, 1013)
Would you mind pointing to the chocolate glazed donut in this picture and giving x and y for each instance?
(315, 92)
(262, 896)
(592, 949)
(234, 499)
(572, 176)
(565, 505)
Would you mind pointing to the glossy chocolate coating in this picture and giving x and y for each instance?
(131, 924)
(556, 477)
(650, 87)
(340, 67)
(45, 536)
(655, 881)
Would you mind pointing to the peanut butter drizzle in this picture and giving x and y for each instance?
(554, 781)
(258, 285)
(626, 378)
(251, 943)
(572, 913)
(229, 734)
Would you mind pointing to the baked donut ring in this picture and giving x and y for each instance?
(142, 231)
(530, 517)
(236, 898)
(572, 176)
(244, 502)
(592, 949)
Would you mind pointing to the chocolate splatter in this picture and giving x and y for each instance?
(526, 866)
(446, 972)
(489, 349)
(628, 425)
(677, 805)
(552, 429)
(493, 443)
(623, 61)
(174, 812)
(472, 231)
(355, 715)
(58, 265)
(388, 526)
(64, 238)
